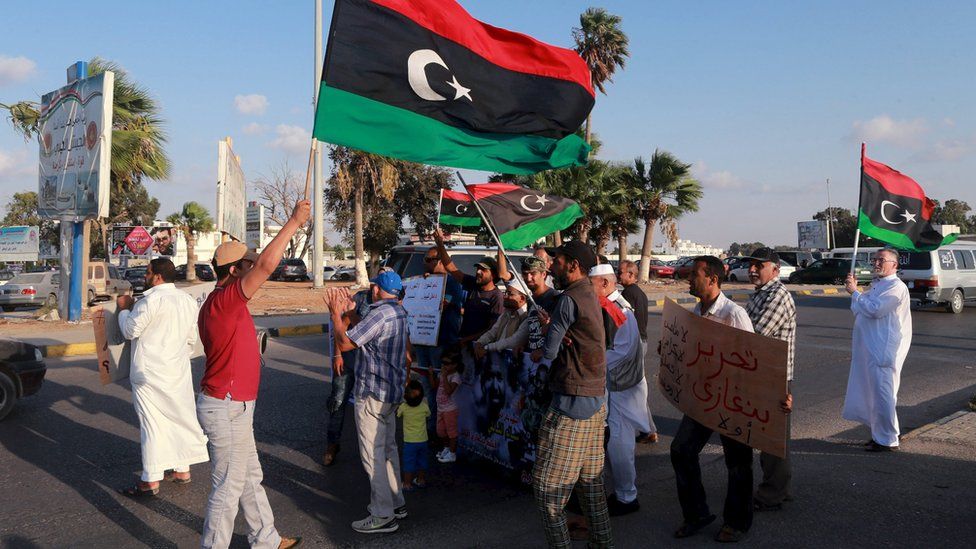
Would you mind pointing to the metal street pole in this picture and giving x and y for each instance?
(830, 220)
(74, 260)
(318, 206)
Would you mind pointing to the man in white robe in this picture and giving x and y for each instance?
(882, 336)
(163, 330)
(627, 413)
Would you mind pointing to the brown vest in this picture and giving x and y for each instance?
(580, 367)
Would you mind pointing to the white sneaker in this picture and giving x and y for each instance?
(441, 453)
(376, 525)
(447, 457)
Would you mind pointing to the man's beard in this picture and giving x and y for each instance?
(560, 281)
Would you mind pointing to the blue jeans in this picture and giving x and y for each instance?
(429, 358)
(339, 397)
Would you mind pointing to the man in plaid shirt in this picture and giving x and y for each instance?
(773, 314)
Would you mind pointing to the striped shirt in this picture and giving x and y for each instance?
(773, 314)
(382, 337)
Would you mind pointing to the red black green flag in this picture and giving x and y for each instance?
(422, 80)
(894, 209)
(456, 209)
(522, 216)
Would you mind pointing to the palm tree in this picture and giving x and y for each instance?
(665, 191)
(354, 173)
(603, 45)
(137, 136)
(192, 220)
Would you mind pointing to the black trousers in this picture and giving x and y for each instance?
(777, 478)
(685, 449)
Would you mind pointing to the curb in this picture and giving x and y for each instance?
(740, 296)
(88, 347)
(937, 423)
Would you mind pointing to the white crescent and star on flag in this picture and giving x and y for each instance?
(540, 200)
(417, 77)
(905, 215)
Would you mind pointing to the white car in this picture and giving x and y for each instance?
(739, 270)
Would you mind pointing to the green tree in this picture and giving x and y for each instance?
(603, 46)
(339, 252)
(192, 220)
(665, 190)
(953, 212)
(845, 226)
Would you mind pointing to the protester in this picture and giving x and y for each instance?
(627, 275)
(226, 403)
(570, 446)
(705, 283)
(773, 314)
(508, 323)
(428, 357)
(380, 378)
(162, 327)
(535, 275)
(484, 303)
(626, 388)
(447, 408)
(343, 377)
(542, 253)
(414, 411)
(882, 336)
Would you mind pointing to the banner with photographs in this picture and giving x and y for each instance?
(138, 241)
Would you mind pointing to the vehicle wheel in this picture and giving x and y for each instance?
(794, 279)
(9, 308)
(91, 297)
(8, 395)
(955, 302)
(838, 281)
(732, 278)
(52, 301)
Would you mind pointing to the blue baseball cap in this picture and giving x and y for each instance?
(388, 281)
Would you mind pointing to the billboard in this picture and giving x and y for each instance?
(255, 226)
(139, 241)
(811, 234)
(75, 129)
(231, 200)
(19, 243)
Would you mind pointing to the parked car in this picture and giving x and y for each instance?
(5, 276)
(344, 274)
(137, 278)
(682, 269)
(105, 282)
(290, 269)
(946, 276)
(408, 261)
(739, 270)
(204, 272)
(660, 269)
(22, 372)
(831, 271)
(797, 258)
(30, 289)
(328, 272)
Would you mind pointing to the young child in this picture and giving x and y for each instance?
(447, 409)
(414, 412)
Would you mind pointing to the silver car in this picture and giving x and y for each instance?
(35, 289)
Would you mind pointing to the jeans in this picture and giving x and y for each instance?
(429, 358)
(235, 473)
(685, 449)
(339, 397)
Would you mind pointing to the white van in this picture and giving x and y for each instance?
(943, 277)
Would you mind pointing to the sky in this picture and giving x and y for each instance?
(767, 100)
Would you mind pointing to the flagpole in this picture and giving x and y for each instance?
(440, 202)
(491, 230)
(857, 212)
(308, 171)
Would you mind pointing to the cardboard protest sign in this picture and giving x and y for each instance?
(727, 379)
(114, 351)
(422, 299)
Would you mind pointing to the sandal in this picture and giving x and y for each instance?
(419, 484)
(691, 528)
(729, 535)
(171, 477)
(138, 491)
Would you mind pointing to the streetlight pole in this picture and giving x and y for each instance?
(317, 201)
(830, 220)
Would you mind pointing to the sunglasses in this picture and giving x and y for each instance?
(431, 259)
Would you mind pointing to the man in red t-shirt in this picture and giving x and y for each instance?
(225, 406)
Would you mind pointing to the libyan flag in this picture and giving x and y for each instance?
(456, 209)
(522, 216)
(421, 80)
(894, 209)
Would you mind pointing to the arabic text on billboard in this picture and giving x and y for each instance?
(811, 234)
(19, 243)
(75, 130)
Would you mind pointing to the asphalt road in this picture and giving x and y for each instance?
(66, 450)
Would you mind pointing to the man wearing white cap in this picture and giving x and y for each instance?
(508, 323)
(229, 386)
(626, 387)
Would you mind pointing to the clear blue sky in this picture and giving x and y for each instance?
(767, 99)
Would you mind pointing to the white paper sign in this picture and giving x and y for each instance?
(422, 299)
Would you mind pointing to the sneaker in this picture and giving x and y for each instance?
(376, 525)
(441, 453)
(447, 457)
(400, 512)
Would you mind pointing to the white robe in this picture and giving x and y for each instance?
(163, 329)
(882, 336)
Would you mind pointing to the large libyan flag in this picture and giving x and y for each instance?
(422, 80)
(894, 209)
(520, 216)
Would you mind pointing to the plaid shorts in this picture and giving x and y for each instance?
(570, 455)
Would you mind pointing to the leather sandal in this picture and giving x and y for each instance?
(140, 490)
(175, 478)
(729, 535)
(691, 528)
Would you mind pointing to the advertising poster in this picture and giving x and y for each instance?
(138, 241)
(231, 197)
(811, 235)
(19, 243)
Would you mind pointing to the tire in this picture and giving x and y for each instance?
(732, 278)
(52, 301)
(9, 308)
(794, 279)
(8, 394)
(956, 302)
(837, 281)
(91, 297)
